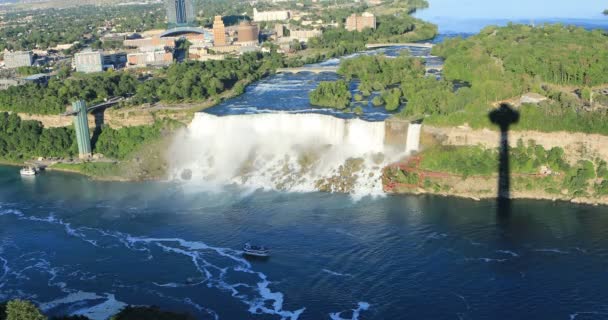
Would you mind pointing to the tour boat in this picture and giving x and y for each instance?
(28, 171)
(256, 251)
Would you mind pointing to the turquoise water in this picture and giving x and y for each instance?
(470, 16)
(65, 237)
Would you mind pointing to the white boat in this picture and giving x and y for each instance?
(256, 251)
(28, 171)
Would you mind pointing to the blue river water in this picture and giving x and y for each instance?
(79, 246)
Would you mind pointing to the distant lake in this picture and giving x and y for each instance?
(470, 16)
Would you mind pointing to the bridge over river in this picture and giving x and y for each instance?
(406, 44)
(333, 69)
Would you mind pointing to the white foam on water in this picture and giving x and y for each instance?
(104, 310)
(284, 151)
(589, 313)
(258, 296)
(558, 251)
(508, 252)
(334, 273)
(487, 260)
(69, 299)
(361, 306)
(5, 271)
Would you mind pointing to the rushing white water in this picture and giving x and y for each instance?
(291, 152)
(413, 138)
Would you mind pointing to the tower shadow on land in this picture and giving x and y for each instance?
(504, 116)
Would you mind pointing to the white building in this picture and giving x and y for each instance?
(18, 59)
(88, 61)
(282, 15)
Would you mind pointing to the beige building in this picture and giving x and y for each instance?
(282, 15)
(358, 23)
(219, 32)
(158, 57)
(279, 29)
(304, 35)
(247, 33)
(201, 53)
(150, 42)
(18, 59)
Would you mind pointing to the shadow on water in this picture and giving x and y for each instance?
(504, 116)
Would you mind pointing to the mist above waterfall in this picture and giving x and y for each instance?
(282, 151)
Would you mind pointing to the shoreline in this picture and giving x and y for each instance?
(477, 197)
(480, 197)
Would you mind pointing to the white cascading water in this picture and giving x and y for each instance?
(413, 138)
(283, 151)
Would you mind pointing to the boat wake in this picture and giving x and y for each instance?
(216, 267)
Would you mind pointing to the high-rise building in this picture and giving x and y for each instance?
(180, 13)
(219, 32)
(18, 59)
(358, 23)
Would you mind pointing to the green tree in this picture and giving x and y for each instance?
(22, 310)
(333, 94)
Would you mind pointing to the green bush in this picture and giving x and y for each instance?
(332, 94)
(377, 101)
(22, 310)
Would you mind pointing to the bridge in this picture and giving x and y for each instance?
(407, 44)
(106, 104)
(316, 70)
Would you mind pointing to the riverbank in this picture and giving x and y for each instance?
(462, 162)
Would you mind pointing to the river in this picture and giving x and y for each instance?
(78, 246)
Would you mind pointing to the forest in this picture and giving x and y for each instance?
(337, 42)
(65, 26)
(187, 82)
(26, 310)
(563, 63)
(26, 139)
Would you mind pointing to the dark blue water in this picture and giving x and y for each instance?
(407, 257)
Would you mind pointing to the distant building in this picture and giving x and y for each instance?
(180, 13)
(6, 83)
(247, 34)
(116, 60)
(157, 57)
(18, 59)
(304, 35)
(219, 32)
(150, 42)
(282, 15)
(88, 61)
(358, 23)
(279, 29)
(201, 53)
(96, 61)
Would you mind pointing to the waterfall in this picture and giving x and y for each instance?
(413, 138)
(284, 151)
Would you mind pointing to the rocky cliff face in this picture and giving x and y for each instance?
(576, 145)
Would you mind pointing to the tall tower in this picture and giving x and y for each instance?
(81, 124)
(180, 13)
(219, 32)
